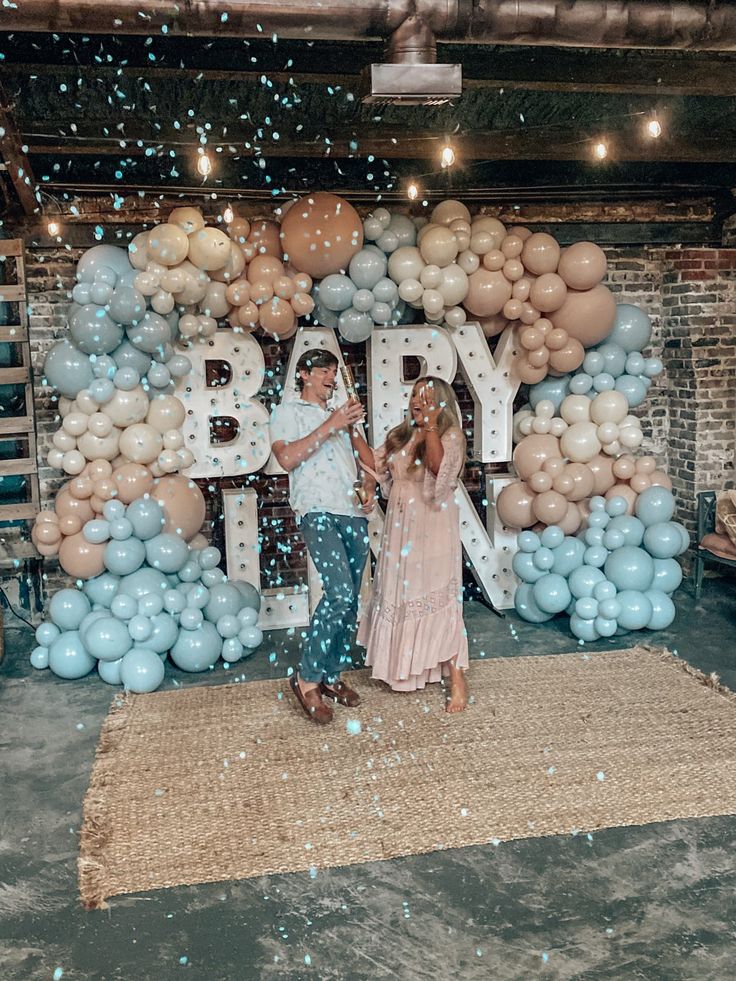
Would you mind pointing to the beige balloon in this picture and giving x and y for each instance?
(132, 480)
(587, 316)
(79, 558)
(495, 228)
(238, 292)
(623, 490)
(487, 293)
(138, 251)
(214, 303)
(582, 265)
(100, 447)
(609, 407)
(568, 358)
(141, 443)
(448, 211)
(541, 253)
(514, 505)
(127, 408)
(183, 504)
(467, 260)
(512, 246)
(531, 453)
(165, 412)
(573, 519)
(195, 284)
(583, 481)
(209, 248)
(439, 247)
(548, 292)
(405, 263)
(321, 233)
(302, 304)
(580, 442)
(233, 268)
(575, 408)
(168, 244)
(277, 317)
(239, 230)
(188, 219)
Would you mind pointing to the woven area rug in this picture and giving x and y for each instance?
(214, 783)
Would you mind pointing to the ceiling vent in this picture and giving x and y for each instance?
(410, 75)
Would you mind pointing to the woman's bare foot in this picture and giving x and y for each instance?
(458, 690)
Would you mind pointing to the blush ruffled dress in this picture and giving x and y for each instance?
(414, 623)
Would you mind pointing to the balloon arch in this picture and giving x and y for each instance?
(599, 542)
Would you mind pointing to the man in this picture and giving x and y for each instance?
(318, 449)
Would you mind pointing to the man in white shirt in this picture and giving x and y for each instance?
(318, 449)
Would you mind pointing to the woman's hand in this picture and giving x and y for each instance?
(368, 505)
(430, 409)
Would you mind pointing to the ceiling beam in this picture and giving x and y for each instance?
(17, 163)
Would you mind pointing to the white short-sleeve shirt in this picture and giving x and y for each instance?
(324, 481)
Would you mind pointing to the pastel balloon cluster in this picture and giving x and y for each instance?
(176, 603)
(86, 499)
(270, 296)
(617, 576)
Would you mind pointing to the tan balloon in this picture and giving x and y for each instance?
(66, 504)
(567, 358)
(238, 292)
(265, 269)
(550, 507)
(448, 211)
(260, 292)
(522, 288)
(168, 244)
(233, 267)
(487, 293)
(209, 248)
(248, 315)
(79, 558)
(100, 447)
(572, 520)
(583, 481)
(97, 469)
(141, 443)
(522, 231)
(587, 316)
(646, 464)
(494, 260)
(513, 270)
(467, 260)
(453, 285)
(582, 265)
(265, 238)
(531, 453)
(514, 505)
(283, 287)
(127, 408)
(495, 228)
(439, 247)
(493, 326)
(321, 233)
(195, 284)
(239, 230)
(541, 253)
(548, 292)
(302, 304)
(47, 533)
(198, 542)
(165, 412)
(70, 524)
(660, 479)
(132, 481)
(623, 490)
(183, 504)
(188, 219)
(529, 374)
(80, 487)
(540, 482)
(538, 359)
(512, 309)
(214, 303)
(512, 246)
(138, 251)
(624, 468)
(277, 317)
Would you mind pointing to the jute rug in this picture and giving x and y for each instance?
(207, 784)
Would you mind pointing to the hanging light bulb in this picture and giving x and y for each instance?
(204, 164)
(412, 191)
(447, 158)
(600, 150)
(53, 227)
(228, 215)
(654, 128)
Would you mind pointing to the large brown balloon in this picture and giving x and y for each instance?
(487, 293)
(548, 293)
(321, 233)
(587, 316)
(81, 559)
(601, 467)
(582, 265)
(132, 480)
(540, 254)
(265, 237)
(183, 504)
(532, 451)
(514, 505)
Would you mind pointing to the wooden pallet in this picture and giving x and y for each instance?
(20, 428)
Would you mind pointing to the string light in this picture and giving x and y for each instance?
(412, 192)
(600, 150)
(204, 165)
(447, 158)
(228, 215)
(654, 128)
(53, 227)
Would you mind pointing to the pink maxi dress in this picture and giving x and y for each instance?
(414, 623)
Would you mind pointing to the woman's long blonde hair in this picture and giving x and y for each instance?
(448, 418)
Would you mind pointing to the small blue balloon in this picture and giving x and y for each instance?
(635, 363)
(146, 516)
(124, 607)
(109, 671)
(191, 618)
(142, 671)
(68, 657)
(68, 608)
(604, 382)
(127, 356)
(663, 610)
(223, 598)
(583, 580)
(198, 596)
(610, 608)
(40, 658)
(174, 601)
(96, 531)
(143, 581)
(140, 628)
(594, 536)
(102, 589)
(586, 608)
(552, 536)
(167, 552)
(523, 566)
(654, 505)
(544, 558)
(616, 506)
(604, 590)
(124, 558)
(581, 384)
(653, 367)
(121, 529)
(568, 555)
(667, 575)
(633, 389)
(46, 634)
(248, 617)
(632, 328)
(528, 541)
(164, 633)
(151, 604)
(232, 649)
(594, 363)
(101, 390)
(250, 637)
(605, 627)
(126, 379)
(551, 593)
(113, 510)
(228, 626)
(583, 629)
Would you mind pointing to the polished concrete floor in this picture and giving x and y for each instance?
(654, 902)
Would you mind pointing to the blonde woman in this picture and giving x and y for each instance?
(413, 630)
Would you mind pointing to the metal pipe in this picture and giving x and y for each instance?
(701, 26)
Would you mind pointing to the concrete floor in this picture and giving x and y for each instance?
(654, 902)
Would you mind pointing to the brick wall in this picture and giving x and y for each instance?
(688, 417)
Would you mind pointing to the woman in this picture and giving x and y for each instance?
(413, 630)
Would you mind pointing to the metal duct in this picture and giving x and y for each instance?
(708, 26)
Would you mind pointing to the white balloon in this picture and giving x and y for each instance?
(580, 442)
(162, 302)
(99, 424)
(73, 462)
(138, 251)
(173, 439)
(410, 290)
(455, 316)
(55, 459)
(85, 403)
(64, 441)
(575, 408)
(141, 443)
(453, 284)
(609, 406)
(405, 263)
(468, 261)
(430, 277)
(545, 409)
(75, 423)
(541, 426)
(100, 447)
(432, 302)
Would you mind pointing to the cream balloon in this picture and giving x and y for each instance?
(609, 407)
(214, 303)
(410, 290)
(468, 261)
(162, 302)
(100, 447)
(165, 413)
(127, 408)
(195, 284)
(430, 277)
(141, 443)
(495, 228)
(168, 244)
(446, 212)
(405, 263)
(99, 424)
(209, 248)
(580, 442)
(138, 251)
(188, 219)
(233, 268)
(575, 408)
(173, 439)
(439, 247)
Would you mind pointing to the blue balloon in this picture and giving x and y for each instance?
(552, 536)
(102, 589)
(124, 607)
(251, 596)
(40, 658)
(630, 568)
(101, 257)
(583, 580)
(232, 649)
(551, 593)
(46, 634)
(354, 326)
(528, 541)
(191, 570)
(630, 527)
(68, 657)
(107, 639)
(594, 363)
(68, 608)
(109, 671)
(146, 516)
(126, 379)
(663, 610)
(167, 552)
(140, 628)
(653, 367)
(633, 389)
(113, 510)
(367, 267)
(583, 629)
(103, 367)
(120, 529)
(164, 634)
(596, 555)
(586, 608)
(198, 596)
(610, 609)
(613, 539)
(143, 581)
(127, 305)
(568, 555)
(523, 566)
(93, 332)
(151, 604)
(614, 358)
(544, 558)
(635, 363)
(150, 334)
(223, 598)
(191, 617)
(124, 558)
(248, 617)
(101, 390)
(654, 505)
(636, 610)
(581, 384)
(525, 606)
(667, 575)
(616, 506)
(336, 292)
(250, 637)
(127, 356)
(604, 382)
(67, 370)
(604, 590)
(664, 540)
(142, 671)
(632, 328)
(91, 618)
(228, 626)
(552, 389)
(594, 536)
(604, 627)
(174, 601)
(210, 577)
(96, 531)
(197, 650)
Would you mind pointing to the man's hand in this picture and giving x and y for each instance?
(350, 414)
(369, 504)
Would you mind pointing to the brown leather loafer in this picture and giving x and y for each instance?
(340, 692)
(311, 702)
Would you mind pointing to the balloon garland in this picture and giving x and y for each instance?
(126, 524)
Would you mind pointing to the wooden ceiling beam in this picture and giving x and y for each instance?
(17, 163)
